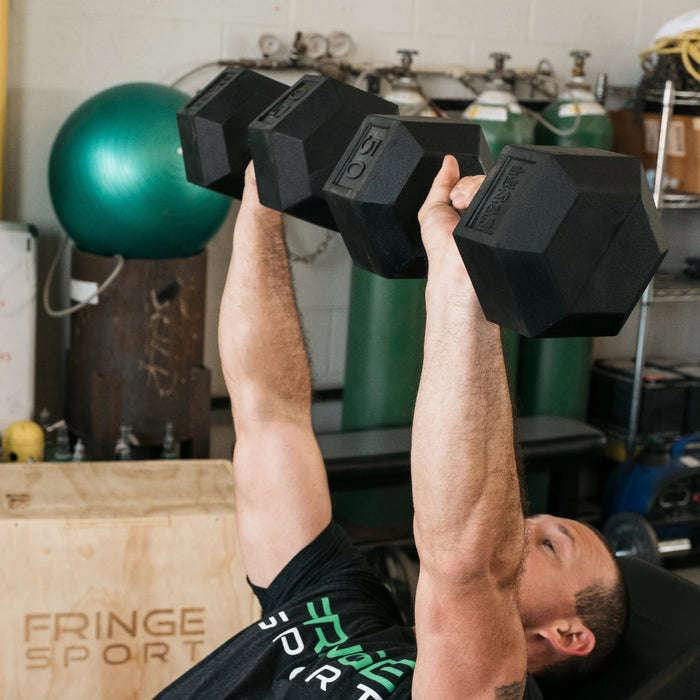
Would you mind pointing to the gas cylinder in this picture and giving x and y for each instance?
(384, 354)
(554, 376)
(406, 91)
(594, 128)
(503, 121)
(498, 112)
(554, 373)
(386, 317)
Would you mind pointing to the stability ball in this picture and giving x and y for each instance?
(117, 177)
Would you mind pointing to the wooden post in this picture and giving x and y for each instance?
(136, 355)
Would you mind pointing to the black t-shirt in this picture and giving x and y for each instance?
(329, 628)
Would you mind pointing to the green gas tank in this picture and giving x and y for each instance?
(502, 120)
(498, 112)
(594, 128)
(383, 362)
(554, 373)
(384, 354)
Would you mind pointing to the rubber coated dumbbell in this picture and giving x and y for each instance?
(295, 135)
(297, 138)
(562, 241)
(213, 128)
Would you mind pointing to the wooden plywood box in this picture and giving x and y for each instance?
(116, 577)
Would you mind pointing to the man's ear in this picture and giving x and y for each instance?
(569, 637)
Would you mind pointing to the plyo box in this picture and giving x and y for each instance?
(117, 576)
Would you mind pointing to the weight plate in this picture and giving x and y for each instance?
(631, 535)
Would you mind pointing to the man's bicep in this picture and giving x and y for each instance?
(470, 642)
(282, 498)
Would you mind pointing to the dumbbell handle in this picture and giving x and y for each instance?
(666, 548)
(677, 546)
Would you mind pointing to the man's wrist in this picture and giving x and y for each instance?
(252, 206)
(448, 280)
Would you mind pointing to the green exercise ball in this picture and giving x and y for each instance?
(117, 177)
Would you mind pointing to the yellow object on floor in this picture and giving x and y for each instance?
(23, 441)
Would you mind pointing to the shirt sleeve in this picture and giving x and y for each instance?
(532, 690)
(329, 558)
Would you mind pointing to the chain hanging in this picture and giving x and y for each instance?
(311, 257)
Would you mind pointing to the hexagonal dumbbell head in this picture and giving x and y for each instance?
(296, 143)
(213, 128)
(382, 179)
(561, 241)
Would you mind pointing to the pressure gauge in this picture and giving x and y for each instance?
(269, 44)
(339, 44)
(316, 45)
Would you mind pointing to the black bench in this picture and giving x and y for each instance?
(381, 457)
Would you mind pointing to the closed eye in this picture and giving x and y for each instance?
(548, 543)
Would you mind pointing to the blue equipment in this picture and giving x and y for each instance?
(651, 506)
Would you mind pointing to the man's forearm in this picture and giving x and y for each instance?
(282, 498)
(465, 480)
(261, 343)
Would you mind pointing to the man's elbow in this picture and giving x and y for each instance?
(470, 558)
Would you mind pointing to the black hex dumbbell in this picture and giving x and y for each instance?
(562, 241)
(296, 136)
(213, 128)
(380, 182)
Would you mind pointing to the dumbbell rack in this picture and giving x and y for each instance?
(664, 288)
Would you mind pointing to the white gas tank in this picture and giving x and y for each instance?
(18, 261)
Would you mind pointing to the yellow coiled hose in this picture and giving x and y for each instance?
(687, 44)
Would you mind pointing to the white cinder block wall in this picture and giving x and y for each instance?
(64, 51)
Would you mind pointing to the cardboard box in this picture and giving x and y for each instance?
(116, 576)
(642, 140)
